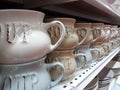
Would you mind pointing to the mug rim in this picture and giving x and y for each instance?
(22, 10)
(63, 18)
(24, 63)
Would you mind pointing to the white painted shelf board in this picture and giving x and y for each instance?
(83, 77)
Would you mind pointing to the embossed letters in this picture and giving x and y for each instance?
(11, 32)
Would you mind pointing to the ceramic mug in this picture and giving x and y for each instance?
(101, 50)
(67, 58)
(114, 31)
(104, 46)
(29, 76)
(24, 36)
(114, 43)
(85, 33)
(107, 29)
(107, 46)
(98, 32)
(85, 49)
(71, 39)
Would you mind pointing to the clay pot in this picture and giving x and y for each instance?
(84, 32)
(71, 39)
(107, 46)
(114, 32)
(101, 49)
(29, 76)
(91, 53)
(98, 32)
(107, 29)
(24, 36)
(67, 58)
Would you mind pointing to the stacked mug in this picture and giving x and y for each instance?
(29, 48)
(99, 32)
(107, 29)
(64, 52)
(115, 36)
(86, 37)
(24, 44)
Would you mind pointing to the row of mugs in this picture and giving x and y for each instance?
(81, 57)
(25, 39)
(71, 61)
(83, 44)
(25, 32)
(82, 33)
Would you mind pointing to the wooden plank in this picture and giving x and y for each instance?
(91, 17)
(40, 3)
(85, 10)
(12, 1)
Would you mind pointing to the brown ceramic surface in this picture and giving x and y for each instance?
(98, 31)
(66, 57)
(71, 39)
(84, 32)
(91, 53)
(107, 29)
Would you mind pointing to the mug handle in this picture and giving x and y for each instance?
(106, 46)
(112, 45)
(85, 59)
(87, 33)
(98, 52)
(62, 30)
(109, 31)
(49, 66)
(99, 33)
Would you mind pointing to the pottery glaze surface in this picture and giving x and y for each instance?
(24, 36)
(101, 50)
(114, 32)
(85, 33)
(28, 76)
(107, 46)
(71, 39)
(85, 49)
(66, 58)
(98, 32)
(107, 29)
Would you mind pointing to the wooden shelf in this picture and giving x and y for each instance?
(12, 1)
(40, 3)
(11, 4)
(82, 10)
(90, 10)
